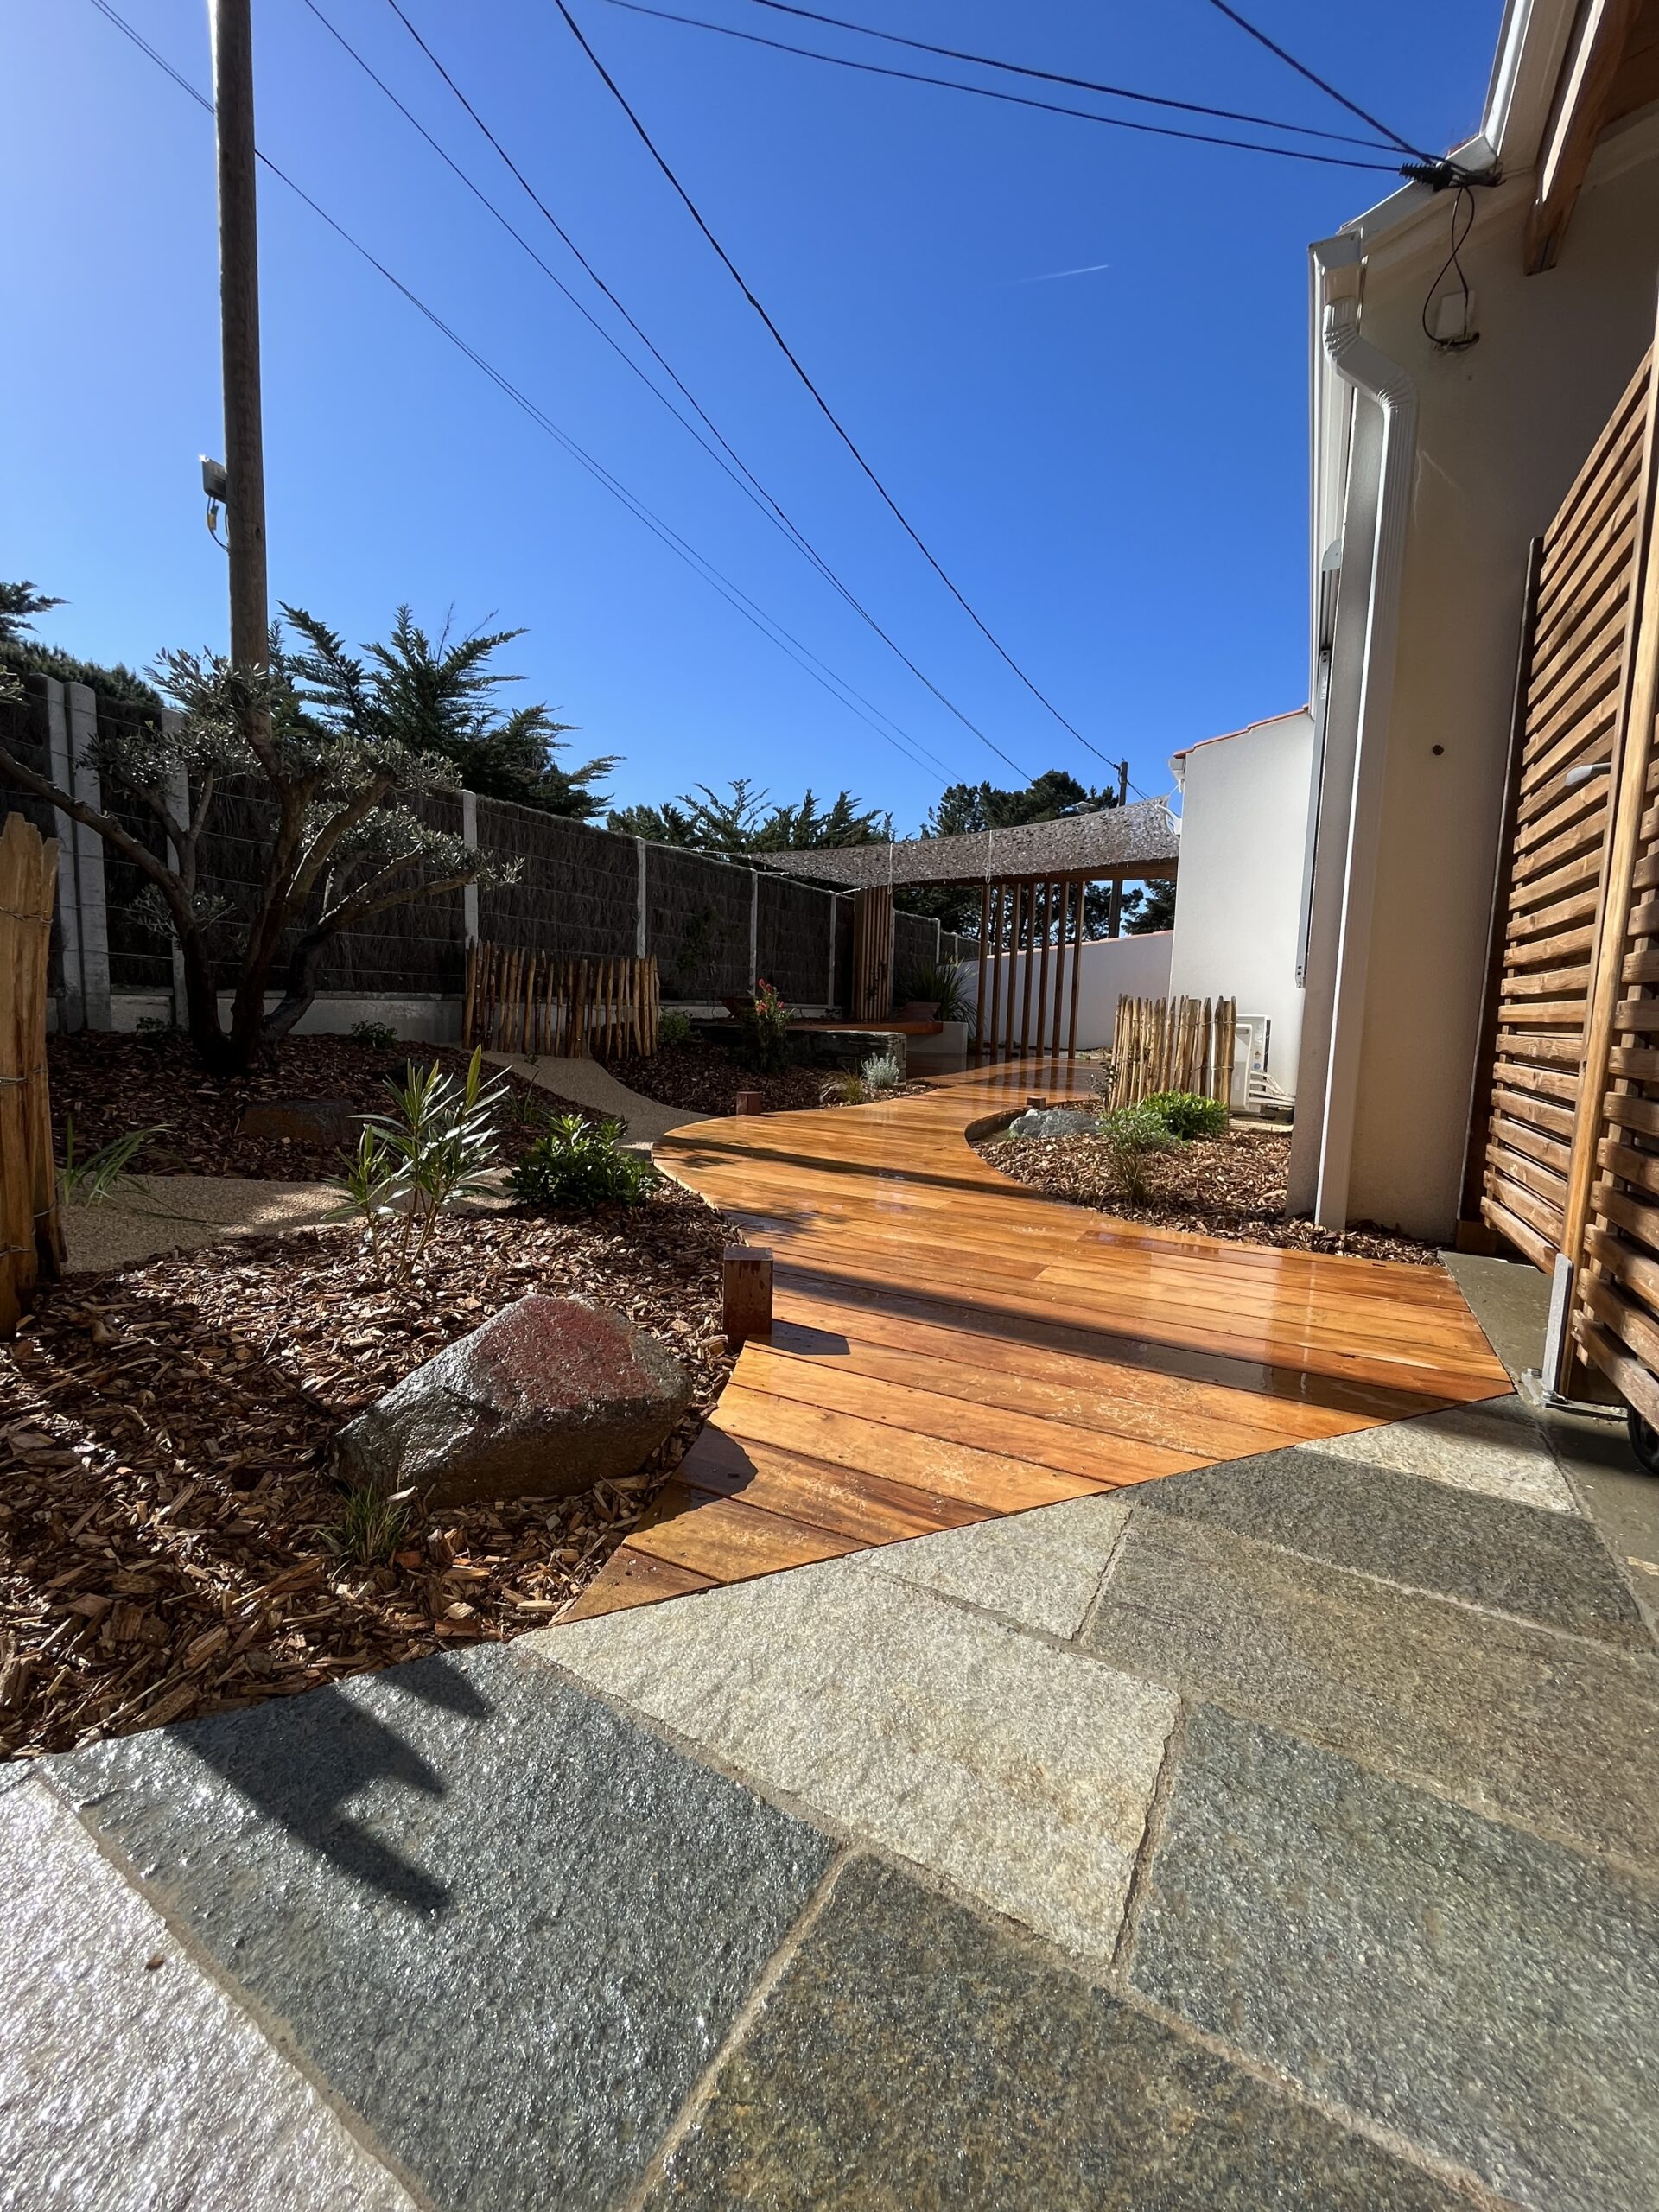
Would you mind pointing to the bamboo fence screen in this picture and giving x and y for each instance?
(31, 1241)
(520, 1001)
(1176, 1044)
(1030, 928)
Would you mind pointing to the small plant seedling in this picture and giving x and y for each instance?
(844, 1088)
(881, 1073)
(372, 1524)
(90, 1181)
(380, 1034)
(1134, 1136)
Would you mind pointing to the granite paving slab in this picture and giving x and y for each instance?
(129, 2079)
(1041, 1568)
(1494, 1447)
(1545, 1567)
(1490, 1996)
(509, 1927)
(1020, 1770)
(914, 2059)
(1546, 1729)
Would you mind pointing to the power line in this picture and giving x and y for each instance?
(1330, 90)
(828, 414)
(1058, 76)
(734, 594)
(773, 514)
(1008, 99)
(751, 485)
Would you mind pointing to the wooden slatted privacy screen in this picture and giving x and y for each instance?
(1175, 1043)
(1571, 1080)
(1574, 678)
(31, 1242)
(872, 937)
(1030, 929)
(519, 1001)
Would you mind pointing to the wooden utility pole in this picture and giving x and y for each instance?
(1115, 907)
(239, 308)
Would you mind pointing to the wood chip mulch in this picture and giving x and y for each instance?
(1233, 1187)
(704, 1079)
(111, 1085)
(165, 1502)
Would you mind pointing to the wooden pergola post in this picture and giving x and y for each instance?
(979, 988)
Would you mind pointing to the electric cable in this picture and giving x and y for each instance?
(733, 592)
(755, 490)
(1330, 90)
(828, 414)
(1009, 99)
(1059, 77)
(756, 496)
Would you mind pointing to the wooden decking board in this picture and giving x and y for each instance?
(950, 1345)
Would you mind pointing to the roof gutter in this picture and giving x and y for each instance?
(1370, 372)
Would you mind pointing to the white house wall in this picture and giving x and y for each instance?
(1503, 430)
(1238, 901)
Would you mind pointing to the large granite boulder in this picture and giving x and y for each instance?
(548, 1397)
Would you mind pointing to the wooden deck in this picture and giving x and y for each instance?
(948, 1347)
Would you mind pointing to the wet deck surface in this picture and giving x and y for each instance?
(949, 1346)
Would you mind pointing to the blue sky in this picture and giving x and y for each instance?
(1111, 465)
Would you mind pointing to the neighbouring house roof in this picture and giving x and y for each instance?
(1220, 737)
(1141, 839)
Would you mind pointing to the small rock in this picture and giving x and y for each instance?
(332, 1121)
(548, 1397)
(1056, 1121)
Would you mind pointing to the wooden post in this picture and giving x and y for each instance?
(751, 1101)
(1080, 899)
(997, 903)
(1028, 964)
(979, 988)
(31, 1241)
(1042, 972)
(239, 309)
(745, 1273)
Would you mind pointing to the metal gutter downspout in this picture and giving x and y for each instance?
(1359, 362)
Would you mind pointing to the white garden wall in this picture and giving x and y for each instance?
(1112, 967)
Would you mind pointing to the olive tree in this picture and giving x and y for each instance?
(335, 751)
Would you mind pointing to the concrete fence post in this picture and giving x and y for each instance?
(640, 946)
(470, 891)
(80, 708)
(72, 1000)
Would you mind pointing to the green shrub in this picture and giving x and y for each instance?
(844, 1088)
(880, 1072)
(413, 1163)
(1134, 1136)
(763, 1026)
(940, 983)
(1186, 1116)
(380, 1034)
(674, 1027)
(580, 1163)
